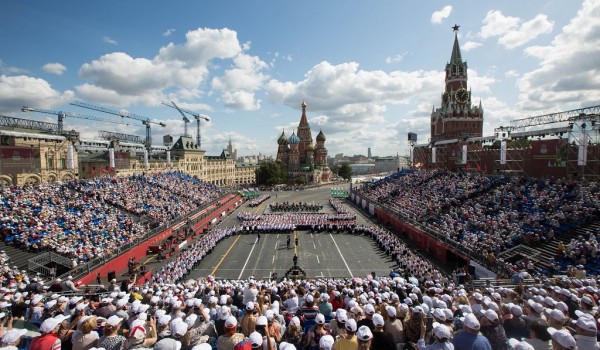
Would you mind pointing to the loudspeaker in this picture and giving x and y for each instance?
(111, 275)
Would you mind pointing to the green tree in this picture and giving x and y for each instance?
(345, 171)
(271, 173)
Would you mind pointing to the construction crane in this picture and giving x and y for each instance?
(145, 120)
(61, 116)
(186, 121)
(197, 116)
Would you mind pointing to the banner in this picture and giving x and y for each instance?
(433, 154)
(70, 158)
(582, 154)
(464, 154)
(145, 158)
(111, 157)
(168, 157)
(503, 152)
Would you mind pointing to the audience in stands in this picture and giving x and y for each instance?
(490, 214)
(90, 218)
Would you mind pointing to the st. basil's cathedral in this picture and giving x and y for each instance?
(303, 159)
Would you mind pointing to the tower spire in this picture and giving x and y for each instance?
(303, 119)
(456, 57)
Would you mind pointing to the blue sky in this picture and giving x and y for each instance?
(370, 71)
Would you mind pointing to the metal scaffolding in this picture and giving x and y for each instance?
(109, 135)
(44, 127)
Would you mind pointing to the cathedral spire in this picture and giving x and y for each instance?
(303, 119)
(456, 57)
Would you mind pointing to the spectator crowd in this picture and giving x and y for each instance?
(422, 309)
(489, 214)
(88, 218)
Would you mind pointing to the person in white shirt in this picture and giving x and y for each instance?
(585, 327)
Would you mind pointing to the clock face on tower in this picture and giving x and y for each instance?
(462, 96)
(446, 98)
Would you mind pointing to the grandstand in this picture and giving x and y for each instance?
(486, 216)
(202, 256)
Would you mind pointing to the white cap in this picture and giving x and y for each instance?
(190, 320)
(282, 346)
(537, 307)
(326, 342)
(137, 330)
(295, 321)
(585, 322)
(439, 314)
(50, 323)
(13, 335)
(255, 339)
(557, 315)
(269, 314)
(164, 320)
(391, 311)
(230, 322)
(441, 331)
(378, 320)
(491, 315)
(310, 298)
(249, 306)
(351, 325)
(261, 321)
(364, 333)
(114, 320)
(563, 337)
(520, 345)
(471, 322)
(319, 319)
(516, 310)
(369, 309)
(180, 329)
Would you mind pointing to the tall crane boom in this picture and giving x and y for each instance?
(186, 121)
(196, 116)
(145, 120)
(62, 115)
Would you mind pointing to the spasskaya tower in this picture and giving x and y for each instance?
(457, 118)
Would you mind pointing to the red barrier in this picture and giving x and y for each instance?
(422, 240)
(119, 264)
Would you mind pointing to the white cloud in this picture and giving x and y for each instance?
(496, 24)
(511, 73)
(527, 32)
(481, 84)
(238, 84)
(6, 69)
(108, 40)
(396, 58)
(354, 99)
(567, 75)
(355, 107)
(119, 79)
(438, 16)
(54, 68)
(470, 45)
(21, 90)
(511, 32)
(168, 32)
